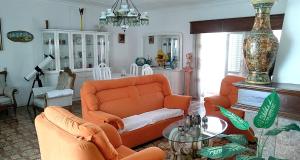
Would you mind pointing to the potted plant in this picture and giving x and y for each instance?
(264, 119)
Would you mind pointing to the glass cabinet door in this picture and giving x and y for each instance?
(101, 49)
(64, 50)
(90, 57)
(77, 51)
(49, 49)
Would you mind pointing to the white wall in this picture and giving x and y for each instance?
(122, 54)
(287, 65)
(177, 19)
(29, 15)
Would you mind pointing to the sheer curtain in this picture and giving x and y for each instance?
(211, 50)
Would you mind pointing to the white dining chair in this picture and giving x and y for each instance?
(134, 69)
(101, 73)
(101, 65)
(145, 66)
(147, 71)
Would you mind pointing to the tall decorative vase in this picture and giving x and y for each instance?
(261, 46)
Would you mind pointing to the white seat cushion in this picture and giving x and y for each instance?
(162, 114)
(5, 100)
(139, 121)
(134, 122)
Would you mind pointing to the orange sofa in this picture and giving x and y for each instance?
(63, 136)
(227, 98)
(110, 101)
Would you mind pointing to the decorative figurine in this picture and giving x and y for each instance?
(161, 58)
(188, 73)
(81, 18)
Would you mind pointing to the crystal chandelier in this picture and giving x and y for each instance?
(124, 14)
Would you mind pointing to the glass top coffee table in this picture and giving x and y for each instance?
(186, 141)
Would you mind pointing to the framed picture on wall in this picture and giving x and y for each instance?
(151, 39)
(121, 38)
(1, 42)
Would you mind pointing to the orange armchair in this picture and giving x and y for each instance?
(63, 136)
(227, 97)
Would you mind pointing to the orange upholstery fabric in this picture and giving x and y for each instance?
(94, 133)
(78, 127)
(111, 100)
(71, 138)
(227, 98)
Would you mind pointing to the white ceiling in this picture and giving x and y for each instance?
(148, 4)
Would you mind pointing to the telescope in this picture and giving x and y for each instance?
(37, 72)
(38, 68)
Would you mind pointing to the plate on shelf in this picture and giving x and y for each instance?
(140, 61)
(20, 36)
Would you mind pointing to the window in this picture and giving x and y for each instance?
(235, 50)
(219, 54)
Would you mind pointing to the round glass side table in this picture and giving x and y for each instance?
(186, 141)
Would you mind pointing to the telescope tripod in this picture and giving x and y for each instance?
(38, 80)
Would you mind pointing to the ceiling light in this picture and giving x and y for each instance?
(124, 14)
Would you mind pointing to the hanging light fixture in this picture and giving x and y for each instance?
(124, 14)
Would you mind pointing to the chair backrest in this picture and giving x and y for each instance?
(147, 71)
(57, 125)
(102, 65)
(66, 79)
(134, 69)
(145, 66)
(101, 73)
(136, 95)
(228, 89)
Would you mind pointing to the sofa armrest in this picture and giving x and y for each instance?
(59, 93)
(10, 92)
(178, 102)
(41, 91)
(152, 153)
(112, 134)
(102, 117)
(212, 103)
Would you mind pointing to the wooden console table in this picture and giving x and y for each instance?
(250, 97)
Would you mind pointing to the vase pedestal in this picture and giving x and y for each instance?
(258, 78)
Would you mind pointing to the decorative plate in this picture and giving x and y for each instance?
(140, 61)
(20, 36)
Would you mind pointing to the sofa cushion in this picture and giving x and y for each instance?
(122, 107)
(116, 94)
(162, 114)
(79, 128)
(151, 96)
(91, 91)
(122, 102)
(139, 121)
(64, 119)
(134, 122)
